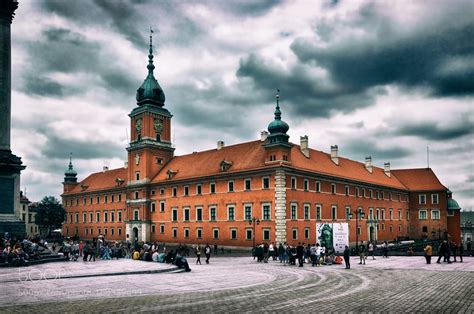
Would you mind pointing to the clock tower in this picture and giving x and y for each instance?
(149, 150)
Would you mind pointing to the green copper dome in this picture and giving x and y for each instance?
(150, 91)
(277, 125)
(70, 174)
(453, 205)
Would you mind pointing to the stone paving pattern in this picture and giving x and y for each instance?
(396, 284)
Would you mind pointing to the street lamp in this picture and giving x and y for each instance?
(359, 214)
(253, 222)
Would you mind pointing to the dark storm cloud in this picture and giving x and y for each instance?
(433, 131)
(252, 8)
(57, 146)
(360, 148)
(438, 58)
(64, 51)
(303, 92)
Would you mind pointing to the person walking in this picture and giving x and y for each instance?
(300, 253)
(428, 253)
(385, 249)
(443, 251)
(371, 250)
(347, 257)
(85, 251)
(362, 253)
(207, 251)
(198, 254)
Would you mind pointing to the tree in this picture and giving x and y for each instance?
(50, 214)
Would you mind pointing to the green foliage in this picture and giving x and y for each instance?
(50, 214)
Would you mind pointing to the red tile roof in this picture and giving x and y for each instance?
(423, 179)
(101, 181)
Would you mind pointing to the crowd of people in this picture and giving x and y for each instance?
(446, 250)
(18, 252)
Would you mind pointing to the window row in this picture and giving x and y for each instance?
(349, 213)
(212, 188)
(348, 190)
(213, 214)
(98, 216)
(112, 198)
(423, 214)
(434, 199)
(89, 231)
(233, 233)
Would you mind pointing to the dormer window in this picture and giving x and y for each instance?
(170, 173)
(119, 181)
(225, 165)
(84, 187)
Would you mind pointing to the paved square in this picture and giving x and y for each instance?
(397, 284)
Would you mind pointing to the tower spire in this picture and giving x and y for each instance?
(150, 65)
(277, 109)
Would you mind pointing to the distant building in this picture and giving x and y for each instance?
(27, 214)
(467, 226)
(215, 196)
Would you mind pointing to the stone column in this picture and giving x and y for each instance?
(10, 165)
(280, 206)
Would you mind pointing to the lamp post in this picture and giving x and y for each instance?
(359, 214)
(253, 222)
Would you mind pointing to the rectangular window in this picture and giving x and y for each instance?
(162, 228)
(407, 215)
(306, 233)
(111, 199)
(231, 213)
(357, 192)
(383, 213)
(105, 231)
(212, 188)
(346, 190)
(391, 213)
(266, 183)
(383, 195)
(198, 189)
(198, 213)
(248, 212)
(233, 234)
(377, 215)
(318, 212)
(306, 211)
(230, 186)
(248, 234)
(212, 213)
(136, 195)
(119, 217)
(119, 231)
(106, 216)
(162, 206)
(199, 233)
(84, 201)
(186, 190)
(98, 200)
(334, 212)
(152, 207)
(120, 199)
(215, 234)
(248, 184)
(377, 195)
(391, 229)
(174, 191)
(422, 198)
(399, 214)
(186, 214)
(363, 192)
(266, 212)
(84, 217)
(105, 199)
(112, 216)
(450, 212)
(318, 186)
(186, 233)
(152, 228)
(333, 188)
(91, 217)
(293, 183)
(434, 199)
(97, 216)
(422, 215)
(435, 214)
(348, 212)
(174, 232)
(266, 234)
(175, 214)
(306, 184)
(294, 234)
(294, 211)
(371, 194)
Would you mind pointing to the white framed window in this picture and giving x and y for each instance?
(371, 213)
(266, 234)
(76, 218)
(199, 233)
(318, 212)
(390, 213)
(333, 212)
(382, 211)
(371, 193)
(230, 186)
(357, 192)
(186, 232)
(265, 182)
(230, 212)
(153, 228)
(162, 206)
(348, 212)
(186, 190)
(306, 184)
(266, 211)
(97, 217)
(212, 187)
(174, 214)
(293, 183)
(248, 211)
(434, 199)
(435, 215)
(112, 216)
(233, 234)
(307, 209)
(294, 233)
(318, 186)
(162, 228)
(215, 233)
(152, 207)
(91, 216)
(399, 228)
(422, 199)
(248, 234)
(186, 214)
(198, 189)
(399, 214)
(136, 215)
(174, 232)
(174, 191)
(294, 211)
(306, 233)
(422, 214)
(333, 188)
(84, 217)
(346, 190)
(248, 184)
(198, 213)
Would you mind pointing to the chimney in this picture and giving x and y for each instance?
(335, 154)
(386, 169)
(263, 136)
(105, 168)
(125, 165)
(368, 163)
(220, 145)
(304, 145)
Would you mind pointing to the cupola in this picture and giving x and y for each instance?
(70, 176)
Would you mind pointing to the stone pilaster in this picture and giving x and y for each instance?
(280, 206)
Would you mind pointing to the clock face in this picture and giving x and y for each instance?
(138, 125)
(158, 125)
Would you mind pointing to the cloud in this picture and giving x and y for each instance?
(360, 148)
(251, 8)
(433, 130)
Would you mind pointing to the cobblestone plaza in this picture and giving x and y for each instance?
(230, 284)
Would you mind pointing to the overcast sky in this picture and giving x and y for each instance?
(378, 78)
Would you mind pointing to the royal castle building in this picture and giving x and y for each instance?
(269, 189)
